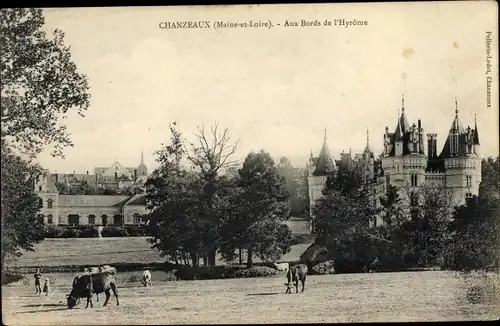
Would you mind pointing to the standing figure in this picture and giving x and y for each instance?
(46, 287)
(38, 276)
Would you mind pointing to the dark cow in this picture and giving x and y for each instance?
(85, 285)
(294, 275)
(75, 282)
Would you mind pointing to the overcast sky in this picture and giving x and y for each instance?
(276, 89)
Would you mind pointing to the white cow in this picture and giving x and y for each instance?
(282, 267)
(146, 278)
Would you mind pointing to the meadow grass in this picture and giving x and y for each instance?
(94, 251)
(374, 297)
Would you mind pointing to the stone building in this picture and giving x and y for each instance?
(115, 176)
(73, 210)
(406, 163)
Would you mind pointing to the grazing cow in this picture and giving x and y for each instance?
(146, 278)
(75, 282)
(85, 285)
(282, 267)
(294, 275)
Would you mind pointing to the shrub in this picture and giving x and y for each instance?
(8, 277)
(256, 271)
(88, 231)
(135, 230)
(114, 231)
(53, 231)
(71, 233)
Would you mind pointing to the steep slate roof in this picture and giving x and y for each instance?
(325, 163)
(91, 200)
(476, 133)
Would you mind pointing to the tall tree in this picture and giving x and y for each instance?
(211, 153)
(174, 203)
(40, 83)
(427, 231)
(257, 225)
(392, 207)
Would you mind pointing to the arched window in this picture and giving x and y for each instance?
(91, 219)
(49, 203)
(104, 219)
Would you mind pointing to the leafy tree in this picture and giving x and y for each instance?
(490, 181)
(392, 208)
(476, 225)
(40, 83)
(257, 224)
(174, 203)
(211, 153)
(21, 228)
(427, 230)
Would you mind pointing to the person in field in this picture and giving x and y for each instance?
(38, 276)
(46, 287)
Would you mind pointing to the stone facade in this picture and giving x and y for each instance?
(406, 164)
(86, 209)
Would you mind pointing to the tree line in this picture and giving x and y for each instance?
(197, 212)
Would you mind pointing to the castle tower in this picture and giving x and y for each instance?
(48, 198)
(404, 160)
(319, 170)
(462, 161)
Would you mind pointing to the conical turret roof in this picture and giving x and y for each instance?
(325, 163)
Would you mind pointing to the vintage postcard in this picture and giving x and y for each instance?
(239, 164)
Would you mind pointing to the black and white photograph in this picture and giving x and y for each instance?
(250, 164)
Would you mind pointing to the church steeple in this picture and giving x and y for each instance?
(142, 156)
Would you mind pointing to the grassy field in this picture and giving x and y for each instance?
(383, 297)
(93, 251)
